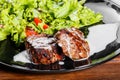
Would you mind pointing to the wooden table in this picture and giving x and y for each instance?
(106, 71)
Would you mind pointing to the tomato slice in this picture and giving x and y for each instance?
(45, 26)
(37, 21)
(30, 32)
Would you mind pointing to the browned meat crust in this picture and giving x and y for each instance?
(42, 49)
(73, 44)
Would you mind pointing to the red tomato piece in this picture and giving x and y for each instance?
(45, 26)
(37, 21)
(30, 32)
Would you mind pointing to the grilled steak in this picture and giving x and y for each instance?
(73, 44)
(42, 49)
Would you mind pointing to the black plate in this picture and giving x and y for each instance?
(110, 50)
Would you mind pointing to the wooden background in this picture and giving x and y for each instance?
(107, 71)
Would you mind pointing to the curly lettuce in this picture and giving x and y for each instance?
(15, 15)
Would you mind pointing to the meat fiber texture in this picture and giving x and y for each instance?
(73, 43)
(70, 42)
(42, 49)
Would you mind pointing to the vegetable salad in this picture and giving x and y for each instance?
(42, 16)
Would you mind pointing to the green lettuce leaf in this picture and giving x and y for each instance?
(15, 15)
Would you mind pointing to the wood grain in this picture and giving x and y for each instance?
(106, 71)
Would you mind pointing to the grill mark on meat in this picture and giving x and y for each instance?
(76, 33)
(67, 39)
(73, 43)
(79, 34)
(75, 36)
(82, 47)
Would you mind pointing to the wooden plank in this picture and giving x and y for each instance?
(106, 71)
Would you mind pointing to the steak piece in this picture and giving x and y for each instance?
(42, 49)
(73, 44)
